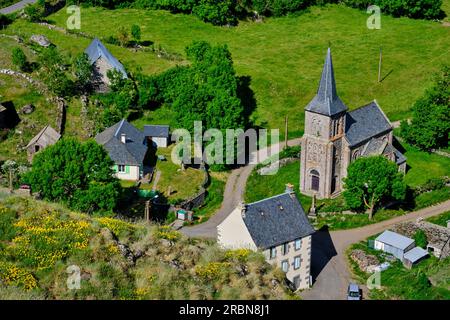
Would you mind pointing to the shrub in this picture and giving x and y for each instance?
(421, 239)
(11, 275)
(19, 59)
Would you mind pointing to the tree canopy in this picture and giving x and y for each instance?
(79, 174)
(371, 180)
(430, 123)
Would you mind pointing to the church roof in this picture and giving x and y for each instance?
(365, 123)
(276, 220)
(97, 50)
(326, 101)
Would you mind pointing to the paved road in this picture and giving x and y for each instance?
(234, 193)
(329, 263)
(17, 6)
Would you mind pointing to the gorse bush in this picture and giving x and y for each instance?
(120, 260)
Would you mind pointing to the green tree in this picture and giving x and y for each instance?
(136, 32)
(53, 72)
(83, 71)
(430, 124)
(78, 174)
(123, 37)
(371, 180)
(421, 239)
(218, 12)
(19, 59)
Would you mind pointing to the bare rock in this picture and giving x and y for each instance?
(27, 109)
(40, 40)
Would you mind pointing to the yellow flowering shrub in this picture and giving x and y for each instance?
(43, 238)
(212, 270)
(166, 232)
(118, 227)
(11, 275)
(238, 254)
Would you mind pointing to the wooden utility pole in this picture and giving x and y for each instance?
(147, 210)
(11, 180)
(286, 132)
(379, 65)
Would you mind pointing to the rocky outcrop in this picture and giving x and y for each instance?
(40, 40)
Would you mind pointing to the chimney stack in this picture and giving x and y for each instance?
(123, 138)
(242, 207)
(289, 188)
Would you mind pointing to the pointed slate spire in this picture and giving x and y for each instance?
(326, 101)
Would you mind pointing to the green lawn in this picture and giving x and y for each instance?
(183, 184)
(284, 56)
(424, 166)
(440, 219)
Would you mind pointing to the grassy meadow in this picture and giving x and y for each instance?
(284, 56)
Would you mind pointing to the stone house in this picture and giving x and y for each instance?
(102, 61)
(46, 137)
(279, 228)
(127, 147)
(334, 137)
(157, 135)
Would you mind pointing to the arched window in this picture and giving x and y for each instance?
(315, 180)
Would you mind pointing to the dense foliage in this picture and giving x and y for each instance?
(430, 123)
(83, 71)
(371, 180)
(416, 9)
(120, 260)
(227, 12)
(79, 174)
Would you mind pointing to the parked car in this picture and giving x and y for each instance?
(353, 292)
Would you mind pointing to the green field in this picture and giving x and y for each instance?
(284, 56)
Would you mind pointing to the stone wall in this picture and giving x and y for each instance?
(199, 199)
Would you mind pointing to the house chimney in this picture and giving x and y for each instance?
(123, 138)
(289, 188)
(242, 207)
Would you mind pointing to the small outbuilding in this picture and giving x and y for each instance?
(157, 135)
(413, 256)
(46, 137)
(394, 243)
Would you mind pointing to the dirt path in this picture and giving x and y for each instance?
(329, 260)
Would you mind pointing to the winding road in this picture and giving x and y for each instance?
(330, 271)
(16, 6)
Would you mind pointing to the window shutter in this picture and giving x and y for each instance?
(127, 169)
(115, 168)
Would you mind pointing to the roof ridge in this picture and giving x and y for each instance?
(120, 127)
(269, 198)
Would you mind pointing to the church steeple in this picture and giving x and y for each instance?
(326, 101)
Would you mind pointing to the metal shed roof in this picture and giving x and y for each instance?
(395, 240)
(415, 254)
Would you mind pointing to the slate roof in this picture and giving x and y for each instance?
(276, 220)
(376, 146)
(326, 101)
(47, 136)
(364, 123)
(156, 131)
(130, 153)
(395, 240)
(96, 50)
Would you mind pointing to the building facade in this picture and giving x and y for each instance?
(334, 137)
(279, 228)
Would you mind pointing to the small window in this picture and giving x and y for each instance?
(298, 244)
(273, 253)
(121, 168)
(285, 266)
(284, 249)
(297, 262)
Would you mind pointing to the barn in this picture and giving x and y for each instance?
(394, 243)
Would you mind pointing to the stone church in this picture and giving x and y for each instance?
(334, 137)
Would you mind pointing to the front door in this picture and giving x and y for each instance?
(315, 183)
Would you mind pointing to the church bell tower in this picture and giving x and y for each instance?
(320, 167)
